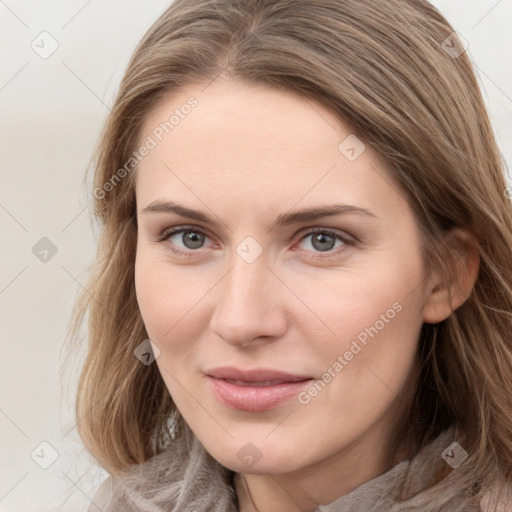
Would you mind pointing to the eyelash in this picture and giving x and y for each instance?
(347, 241)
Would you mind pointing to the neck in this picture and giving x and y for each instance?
(319, 484)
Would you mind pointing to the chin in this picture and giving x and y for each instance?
(258, 456)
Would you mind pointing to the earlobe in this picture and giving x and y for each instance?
(462, 261)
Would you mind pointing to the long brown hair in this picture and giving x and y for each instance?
(397, 73)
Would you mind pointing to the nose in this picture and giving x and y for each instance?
(248, 310)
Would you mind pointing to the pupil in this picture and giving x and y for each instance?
(192, 238)
(323, 238)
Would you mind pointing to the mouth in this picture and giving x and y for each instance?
(255, 390)
(254, 383)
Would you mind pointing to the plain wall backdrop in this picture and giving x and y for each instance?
(61, 64)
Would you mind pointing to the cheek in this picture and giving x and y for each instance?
(167, 307)
(152, 297)
(372, 319)
(171, 302)
(364, 304)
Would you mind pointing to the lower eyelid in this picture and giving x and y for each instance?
(347, 243)
(346, 239)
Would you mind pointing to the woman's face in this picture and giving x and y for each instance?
(287, 335)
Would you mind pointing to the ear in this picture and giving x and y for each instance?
(462, 261)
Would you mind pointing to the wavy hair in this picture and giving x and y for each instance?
(396, 72)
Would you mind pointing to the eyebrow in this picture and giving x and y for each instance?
(285, 219)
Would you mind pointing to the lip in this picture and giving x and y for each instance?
(255, 390)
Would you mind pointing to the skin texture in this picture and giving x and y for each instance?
(244, 155)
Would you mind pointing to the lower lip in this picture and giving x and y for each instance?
(255, 398)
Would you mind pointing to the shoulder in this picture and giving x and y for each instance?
(183, 474)
(125, 490)
(116, 494)
(102, 497)
(497, 499)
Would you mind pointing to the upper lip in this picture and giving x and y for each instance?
(255, 375)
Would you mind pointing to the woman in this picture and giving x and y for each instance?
(302, 297)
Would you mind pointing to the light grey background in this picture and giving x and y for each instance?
(52, 110)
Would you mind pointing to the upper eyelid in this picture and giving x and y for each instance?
(302, 233)
(177, 229)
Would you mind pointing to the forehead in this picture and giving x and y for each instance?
(255, 146)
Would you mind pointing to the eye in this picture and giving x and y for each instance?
(191, 239)
(324, 240)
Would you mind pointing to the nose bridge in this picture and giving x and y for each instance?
(246, 287)
(248, 305)
(250, 274)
